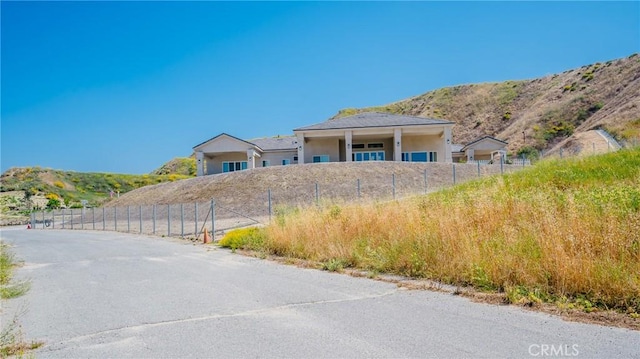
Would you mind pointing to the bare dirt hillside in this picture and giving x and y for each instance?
(246, 192)
(552, 111)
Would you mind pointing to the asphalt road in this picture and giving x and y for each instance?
(97, 295)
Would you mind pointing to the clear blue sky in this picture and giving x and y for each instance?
(126, 86)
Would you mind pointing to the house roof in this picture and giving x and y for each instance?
(373, 119)
(220, 135)
(276, 143)
(482, 139)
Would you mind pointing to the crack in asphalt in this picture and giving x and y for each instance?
(217, 316)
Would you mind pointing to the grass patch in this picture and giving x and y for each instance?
(564, 231)
(8, 288)
(243, 238)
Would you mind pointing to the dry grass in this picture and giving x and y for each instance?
(565, 231)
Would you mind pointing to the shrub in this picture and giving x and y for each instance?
(58, 184)
(243, 238)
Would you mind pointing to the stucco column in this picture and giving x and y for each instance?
(300, 148)
(251, 159)
(397, 145)
(348, 139)
(470, 154)
(447, 145)
(199, 164)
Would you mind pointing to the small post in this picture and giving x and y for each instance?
(426, 184)
(168, 220)
(93, 218)
(593, 145)
(561, 153)
(478, 168)
(128, 219)
(71, 218)
(140, 217)
(153, 216)
(43, 226)
(269, 201)
(453, 165)
(393, 184)
(104, 220)
(82, 218)
(62, 219)
(196, 218)
(523, 160)
(115, 219)
(53, 219)
(359, 188)
(213, 219)
(181, 220)
(317, 194)
(501, 165)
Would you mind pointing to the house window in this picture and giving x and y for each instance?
(356, 146)
(420, 156)
(321, 158)
(295, 158)
(367, 156)
(266, 163)
(234, 166)
(286, 162)
(375, 145)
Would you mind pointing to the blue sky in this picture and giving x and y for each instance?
(126, 86)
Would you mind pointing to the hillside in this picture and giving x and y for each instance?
(552, 110)
(22, 189)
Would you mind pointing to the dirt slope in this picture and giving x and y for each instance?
(246, 191)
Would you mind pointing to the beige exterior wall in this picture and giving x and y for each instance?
(387, 147)
(225, 144)
(214, 165)
(275, 158)
(424, 144)
(321, 146)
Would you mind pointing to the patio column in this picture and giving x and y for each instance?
(251, 158)
(348, 139)
(199, 164)
(397, 145)
(300, 148)
(447, 145)
(470, 154)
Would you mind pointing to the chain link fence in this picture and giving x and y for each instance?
(189, 220)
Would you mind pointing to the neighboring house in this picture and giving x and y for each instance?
(485, 148)
(370, 136)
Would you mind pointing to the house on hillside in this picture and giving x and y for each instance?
(485, 148)
(370, 136)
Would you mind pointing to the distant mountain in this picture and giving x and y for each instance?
(552, 111)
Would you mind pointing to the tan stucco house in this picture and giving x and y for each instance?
(370, 136)
(485, 148)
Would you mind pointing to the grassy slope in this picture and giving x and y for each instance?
(565, 231)
(548, 109)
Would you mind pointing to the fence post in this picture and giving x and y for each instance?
(104, 220)
(140, 217)
(181, 220)
(426, 184)
(71, 219)
(317, 194)
(53, 219)
(478, 168)
(168, 220)
(213, 218)
(453, 165)
(593, 145)
(93, 218)
(196, 218)
(82, 218)
(501, 165)
(523, 160)
(561, 153)
(115, 218)
(63, 224)
(393, 184)
(153, 215)
(128, 219)
(359, 188)
(43, 226)
(269, 201)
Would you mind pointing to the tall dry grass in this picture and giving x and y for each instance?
(565, 229)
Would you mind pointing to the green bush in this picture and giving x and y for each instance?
(243, 238)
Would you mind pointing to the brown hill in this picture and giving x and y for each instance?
(552, 110)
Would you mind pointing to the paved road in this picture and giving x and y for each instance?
(116, 295)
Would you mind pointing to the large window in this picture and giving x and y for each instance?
(367, 156)
(234, 166)
(286, 162)
(321, 158)
(420, 156)
(266, 163)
